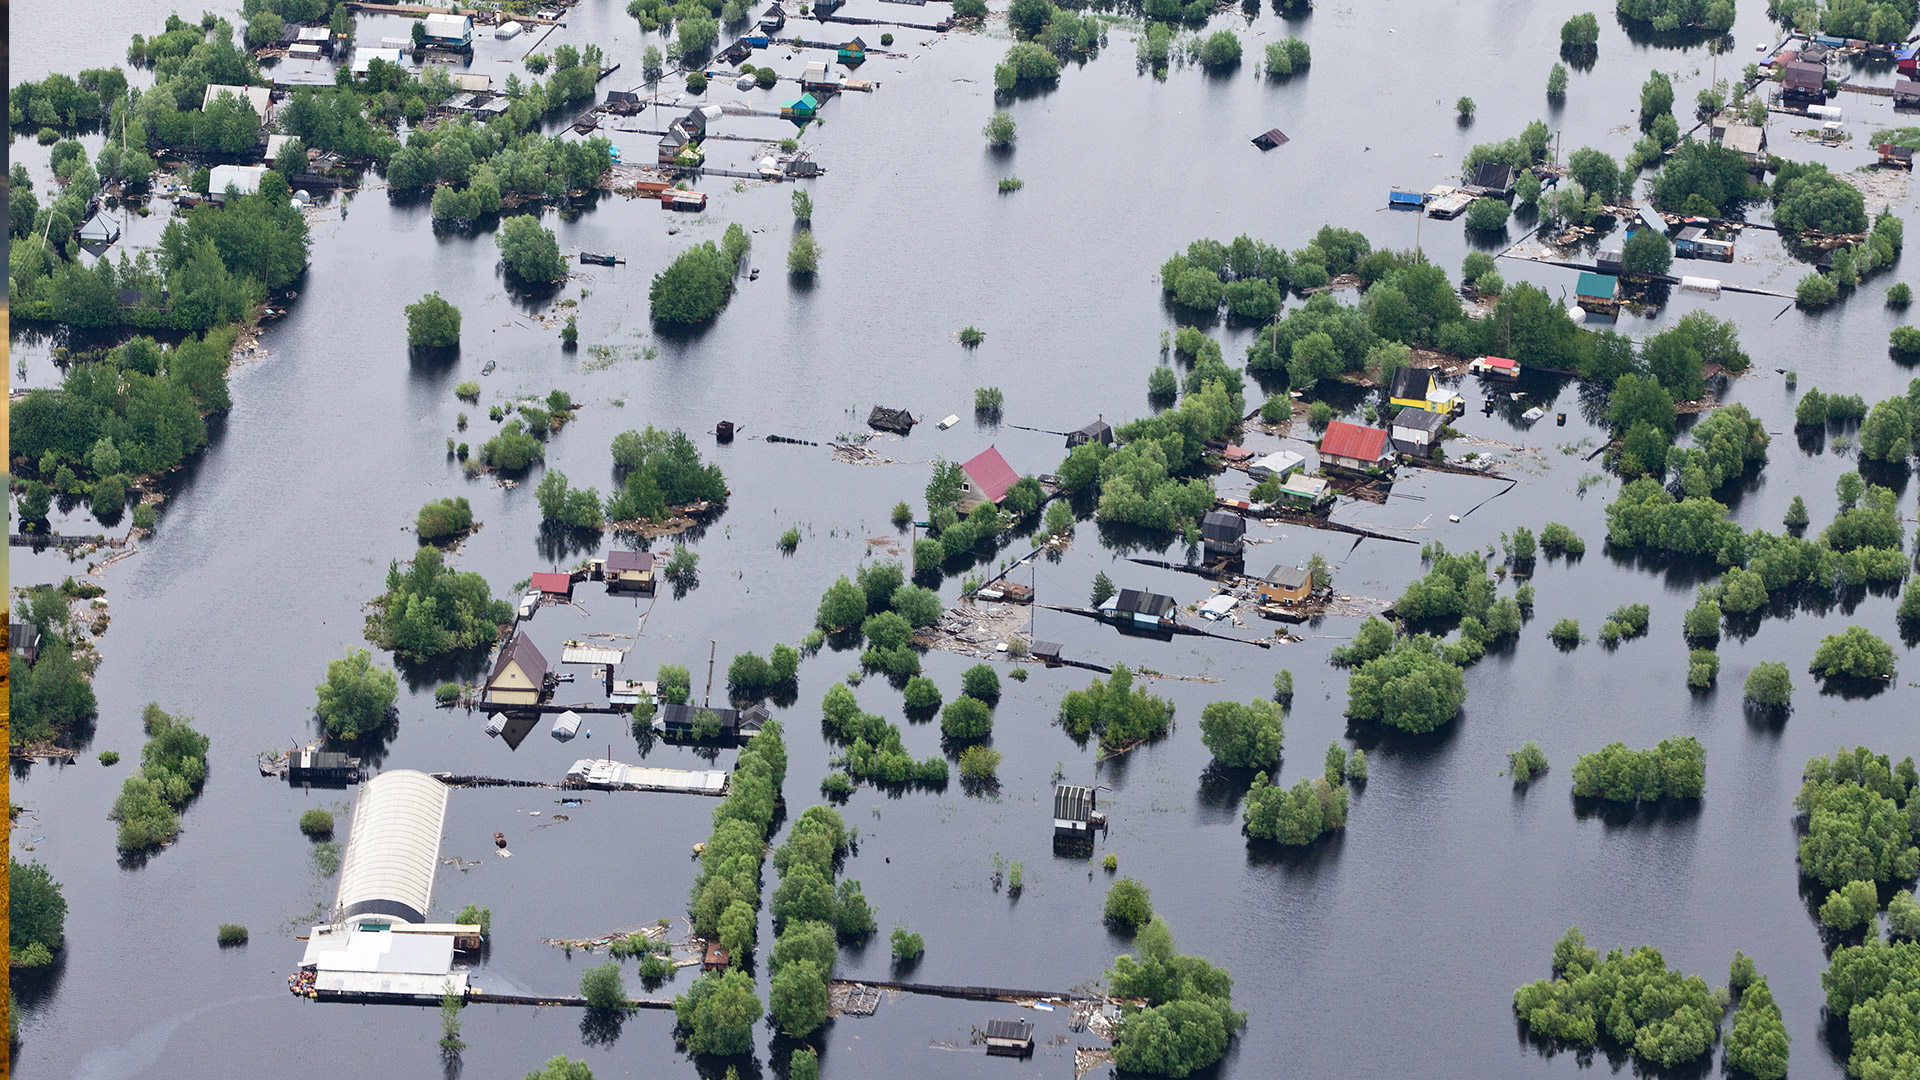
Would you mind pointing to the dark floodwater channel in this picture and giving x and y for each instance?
(1391, 949)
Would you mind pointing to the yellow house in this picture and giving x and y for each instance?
(630, 569)
(1415, 388)
(1284, 583)
(519, 676)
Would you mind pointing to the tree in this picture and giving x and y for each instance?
(1631, 997)
(1103, 589)
(433, 323)
(1487, 215)
(1580, 32)
(1856, 654)
(1221, 50)
(357, 696)
(1646, 252)
(38, 914)
(562, 1068)
(1129, 905)
(717, 1015)
(1757, 1045)
(1556, 83)
(1243, 736)
(966, 718)
(1000, 130)
(1674, 769)
(843, 606)
(439, 520)
(802, 201)
(1527, 762)
(803, 254)
(1656, 98)
(694, 287)
(797, 998)
(1189, 1015)
(1808, 197)
(1769, 685)
(980, 681)
(604, 989)
(1595, 172)
(1464, 107)
(531, 252)
(1816, 290)
(53, 696)
(1410, 687)
(906, 944)
(450, 1005)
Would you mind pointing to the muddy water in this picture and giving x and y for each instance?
(1390, 949)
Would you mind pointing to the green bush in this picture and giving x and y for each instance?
(232, 934)
(433, 323)
(1527, 762)
(1769, 685)
(173, 766)
(109, 757)
(1000, 130)
(356, 697)
(604, 989)
(1487, 215)
(1703, 668)
(1242, 735)
(1899, 295)
(907, 945)
(1857, 653)
(1675, 769)
(1665, 1018)
(1293, 816)
(37, 921)
(531, 252)
(979, 762)
(966, 718)
(1220, 50)
(440, 520)
(1129, 905)
(316, 823)
(512, 449)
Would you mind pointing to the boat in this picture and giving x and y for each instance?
(488, 370)
(499, 839)
(598, 259)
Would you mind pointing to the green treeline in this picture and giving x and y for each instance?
(660, 470)
(1116, 710)
(874, 751)
(51, 697)
(697, 284)
(173, 766)
(727, 890)
(36, 915)
(1858, 807)
(1297, 815)
(812, 915)
(429, 609)
(1631, 999)
(1674, 769)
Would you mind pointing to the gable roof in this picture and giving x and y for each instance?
(1500, 362)
(630, 560)
(556, 583)
(1220, 525)
(1411, 382)
(1017, 1030)
(1072, 802)
(522, 652)
(1270, 138)
(1354, 441)
(1603, 286)
(1493, 174)
(991, 474)
(1288, 577)
(1143, 603)
(1419, 420)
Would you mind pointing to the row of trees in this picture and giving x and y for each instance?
(1674, 769)
(697, 284)
(1632, 998)
(874, 750)
(812, 914)
(725, 902)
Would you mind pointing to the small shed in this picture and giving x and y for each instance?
(1302, 492)
(623, 102)
(519, 675)
(1280, 463)
(853, 52)
(989, 478)
(1496, 366)
(1610, 261)
(898, 421)
(507, 30)
(1906, 94)
(1222, 534)
(801, 108)
(98, 230)
(1405, 200)
(1285, 584)
(1417, 432)
(630, 569)
(1073, 810)
(259, 97)
(684, 720)
(1270, 138)
(1492, 178)
(1751, 139)
(553, 584)
(566, 726)
(309, 766)
(1598, 293)
(1650, 219)
(23, 642)
(1900, 157)
(715, 957)
(1354, 446)
(1097, 432)
(1012, 1038)
(772, 19)
(1047, 652)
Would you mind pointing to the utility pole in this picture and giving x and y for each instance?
(708, 698)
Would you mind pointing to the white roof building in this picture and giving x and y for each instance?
(393, 848)
(243, 178)
(362, 58)
(260, 97)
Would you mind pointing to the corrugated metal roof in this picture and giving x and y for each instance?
(555, 583)
(619, 561)
(1016, 1030)
(1143, 603)
(1353, 441)
(1220, 525)
(1289, 577)
(1072, 802)
(566, 725)
(991, 474)
(1600, 286)
(1419, 420)
(393, 846)
(596, 655)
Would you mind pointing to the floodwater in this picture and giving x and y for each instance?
(1389, 949)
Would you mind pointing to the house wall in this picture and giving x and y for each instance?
(1269, 592)
(513, 687)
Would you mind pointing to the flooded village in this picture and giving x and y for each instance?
(868, 537)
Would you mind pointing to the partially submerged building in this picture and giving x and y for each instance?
(989, 478)
(1010, 1038)
(1598, 293)
(1140, 610)
(1222, 534)
(241, 179)
(683, 721)
(1075, 812)
(630, 570)
(519, 676)
(1416, 388)
(23, 642)
(1352, 446)
(1803, 82)
(259, 97)
(1417, 432)
(1302, 492)
(449, 32)
(393, 849)
(1099, 431)
(1281, 463)
(1693, 242)
(1499, 367)
(1750, 140)
(1285, 585)
(553, 584)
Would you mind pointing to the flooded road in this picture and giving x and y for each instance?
(1392, 948)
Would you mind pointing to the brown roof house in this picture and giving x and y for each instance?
(519, 676)
(630, 569)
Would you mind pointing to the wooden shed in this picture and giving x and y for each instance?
(1013, 1038)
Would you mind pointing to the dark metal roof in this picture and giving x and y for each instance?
(1220, 525)
(522, 652)
(1493, 174)
(1420, 420)
(620, 561)
(1270, 138)
(1072, 802)
(1289, 577)
(682, 716)
(1044, 648)
(1411, 383)
(622, 97)
(1144, 603)
(1017, 1030)
(895, 420)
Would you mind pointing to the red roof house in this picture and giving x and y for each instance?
(554, 584)
(1352, 446)
(988, 478)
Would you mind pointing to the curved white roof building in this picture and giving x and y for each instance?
(393, 848)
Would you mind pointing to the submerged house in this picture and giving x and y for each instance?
(989, 478)
(1074, 812)
(1750, 140)
(520, 674)
(1140, 610)
(630, 569)
(1906, 94)
(1900, 157)
(772, 19)
(1416, 388)
(683, 721)
(1285, 584)
(801, 109)
(1417, 432)
(449, 32)
(1281, 463)
(1496, 366)
(1694, 243)
(1097, 432)
(853, 52)
(23, 642)
(1222, 534)
(1493, 179)
(1804, 82)
(552, 584)
(1352, 446)
(1011, 1038)
(260, 97)
(1302, 492)
(1598, 293)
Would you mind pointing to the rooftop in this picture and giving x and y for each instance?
(1420, 420)
(522, 652)
(991, 474)
(1602, 286)
(622, 561)
(1289, 577)
(1353, 441)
